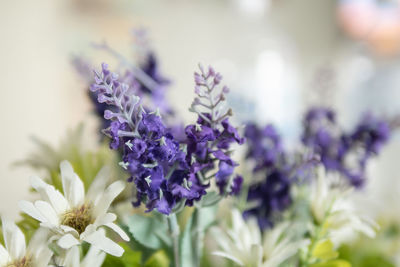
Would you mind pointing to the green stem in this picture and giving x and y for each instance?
(173, 227)
(315, 239)
(198, 240)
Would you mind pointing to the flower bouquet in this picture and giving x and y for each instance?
(158, 192)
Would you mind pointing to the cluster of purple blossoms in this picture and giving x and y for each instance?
(168, 173)
(158, 94)
(155, 96)
(271, 194)
(210, 139)
(276, 170)
(346, 153)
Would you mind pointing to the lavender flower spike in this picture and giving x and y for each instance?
(113, 92)
(210, 139)
(210, 96)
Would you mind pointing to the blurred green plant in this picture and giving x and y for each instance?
(366, 252)
(86, 163)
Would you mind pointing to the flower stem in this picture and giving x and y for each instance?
(174, 232)
(198, 240)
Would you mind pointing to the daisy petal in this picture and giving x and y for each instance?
(47, 212)
(72, 258)
(30, 209)
(43, 256)
(57, 200)
(228, 256)
(68, 229)
(118, 230)
(67, 241)
(67, 172)
(108, 197)
(4, 256)
(77, 191)
(99, 184)
(106, 218)
(14, 239)
(39, 185)
(100, 241)
(94, 258)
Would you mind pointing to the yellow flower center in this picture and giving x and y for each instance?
(78, 218)
(24, 262)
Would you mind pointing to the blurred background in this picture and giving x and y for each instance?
(278, 57)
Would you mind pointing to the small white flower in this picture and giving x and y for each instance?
(73, 217)
(93, 258)
(16, 253)
(332, 205)
(244, 243)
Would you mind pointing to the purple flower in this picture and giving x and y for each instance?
(167, 150)
(372, 133)
(333, 145)
(230, 134)
(225, 170)
(199, 133)
(236, 185)
(113, 131)
(280, 168)
(152, 124)
(271, 196)
(165, 170)
(212, 136)
(264, 146)
(150, 67)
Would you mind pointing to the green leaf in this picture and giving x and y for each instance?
(130, 258)
(151, 232)
(364, 254)
(159, 259)
(333, 263)
(199, 222)
(185, 244)
(112, 261)
(210, 199)
(205, 217)
(324, 250)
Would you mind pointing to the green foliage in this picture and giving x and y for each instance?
(365, 255)
(191, 238)
(322, 253)
(132, 258)
(85, 163)
(158, 259)
(210, 199)
(204, 217)
(367, 252)
(150, 231)
(185, 244)
(325, 251)
(148, 245)
(332, 263)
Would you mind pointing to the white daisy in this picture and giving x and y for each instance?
(17, 254)
(331, 205)
(75, 217)
(244, 243)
